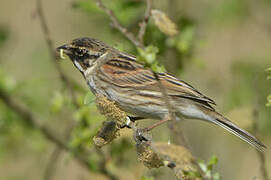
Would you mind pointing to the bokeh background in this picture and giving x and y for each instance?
(223, 48)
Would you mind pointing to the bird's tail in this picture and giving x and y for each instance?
(223, 122)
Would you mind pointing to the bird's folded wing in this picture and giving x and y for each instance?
(125, 73)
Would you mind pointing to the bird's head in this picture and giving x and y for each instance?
(84, 52)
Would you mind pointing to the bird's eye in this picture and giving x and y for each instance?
(80, 52)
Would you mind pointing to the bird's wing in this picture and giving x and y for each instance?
(126, 73)
(177, 87)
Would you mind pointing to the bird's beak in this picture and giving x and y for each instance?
(64, 49)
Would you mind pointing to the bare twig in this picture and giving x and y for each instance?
(143, 24)
(117, 25)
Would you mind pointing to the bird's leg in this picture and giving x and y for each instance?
(129, 120)
(166, 119)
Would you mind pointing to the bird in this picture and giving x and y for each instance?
(135, 90)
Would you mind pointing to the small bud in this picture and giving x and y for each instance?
(163, 22)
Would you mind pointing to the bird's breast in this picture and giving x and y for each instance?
(92, 85)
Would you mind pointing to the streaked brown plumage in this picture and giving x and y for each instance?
(122, 79)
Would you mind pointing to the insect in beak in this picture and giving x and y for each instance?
(63, 50)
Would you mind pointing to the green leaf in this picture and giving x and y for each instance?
(216, 176)
(4, 34)
(213, 161)
(93, 166)
(156, 67)
(185, 40)
(57, 102)
(203, 166)
(89, 99)
(192, 174)
(148, 55)
(147, 178)
(87, 6)
(7, 84)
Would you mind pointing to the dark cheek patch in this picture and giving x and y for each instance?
(83, 62)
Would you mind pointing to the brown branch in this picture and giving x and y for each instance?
(116, 24)
(143, 24)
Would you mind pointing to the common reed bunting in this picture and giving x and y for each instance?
(120, 78)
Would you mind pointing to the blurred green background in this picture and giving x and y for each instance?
(223, 48)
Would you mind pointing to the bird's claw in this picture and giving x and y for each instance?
(141, 135)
